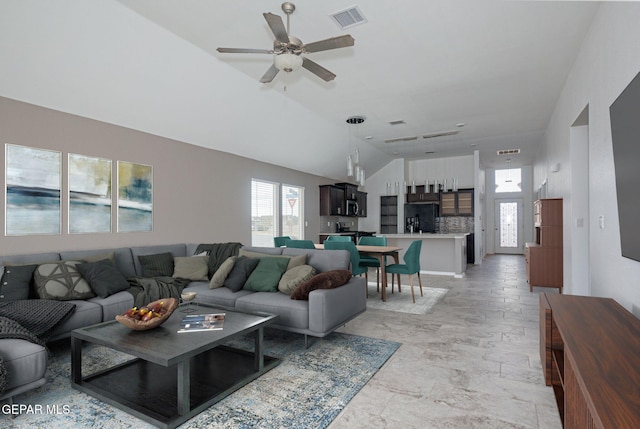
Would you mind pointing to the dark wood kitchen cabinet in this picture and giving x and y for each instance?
(422, 195)
(332, 201)
(361, 199)
(544, 257)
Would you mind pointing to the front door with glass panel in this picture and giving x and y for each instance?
(509, 226)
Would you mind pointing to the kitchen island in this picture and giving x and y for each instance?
(444, 254)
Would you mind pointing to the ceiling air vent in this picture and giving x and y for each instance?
(349, 17)
(398, 122)
(440, 134)
(402, 139)
(509, 152)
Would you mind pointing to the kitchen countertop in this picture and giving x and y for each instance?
(427, 235)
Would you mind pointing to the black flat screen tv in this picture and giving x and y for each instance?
(625, 134)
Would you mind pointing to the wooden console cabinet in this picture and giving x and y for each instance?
(590, 354)
(544, 257)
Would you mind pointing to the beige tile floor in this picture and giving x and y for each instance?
(473, 361)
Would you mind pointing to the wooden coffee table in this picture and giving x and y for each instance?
(174, 376)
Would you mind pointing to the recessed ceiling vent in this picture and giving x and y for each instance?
(398, 122)
(349, 17)
(441, 134)
(402, 139)
(509, 152)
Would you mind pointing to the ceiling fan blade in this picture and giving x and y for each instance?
(317, 69)
(332, 43)
(244, 51)
(270, 74)
(277, 27)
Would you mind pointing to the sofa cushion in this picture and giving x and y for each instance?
(322, 260)
(156, 265)
(62, 281)
(327, 280)
(221, 274)
(174, 249)
(103, 277)
(273, 251)
(194, 268)
(121, 258)
(294, 260)
(218, 296)
(293, 314)
(16, 282)
(267, 274)
(114, 304)
(87, 313)
(294, 277)
(25, 361)
(241, 271)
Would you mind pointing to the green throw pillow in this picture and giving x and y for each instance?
(221, 274)
(294, 261)
(194, 268)
(267, 274)
(294, 277)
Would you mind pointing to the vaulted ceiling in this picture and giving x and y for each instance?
(496, 66)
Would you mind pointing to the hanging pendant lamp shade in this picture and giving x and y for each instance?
(288, 62)
(349, 166)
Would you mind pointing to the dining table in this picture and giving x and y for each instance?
(378, 252)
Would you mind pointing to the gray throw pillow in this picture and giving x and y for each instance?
(16, 282)
(294, 277)
(158, 265)
(221, 274)
(241, 271)
(194, 268)
(103, 276)
(62, 281)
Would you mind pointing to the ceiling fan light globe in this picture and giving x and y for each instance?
(288, 62)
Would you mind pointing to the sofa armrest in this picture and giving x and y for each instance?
(330, 308)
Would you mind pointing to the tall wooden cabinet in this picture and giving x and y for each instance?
(544, 257)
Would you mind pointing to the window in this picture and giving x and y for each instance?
(275, 210)
(292, 211)
(508, 180)
(264, 206)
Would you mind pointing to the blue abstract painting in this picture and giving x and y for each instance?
(135, 197)
(33, 178)
(89, 194)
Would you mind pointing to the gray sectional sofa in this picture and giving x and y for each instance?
(325, 311)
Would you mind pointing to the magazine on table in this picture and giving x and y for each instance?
(201, 322)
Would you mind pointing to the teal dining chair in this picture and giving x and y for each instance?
(354, 257)
(342, 238)
(280, 241)
(410, 267)
(370, 261)
(300, 244)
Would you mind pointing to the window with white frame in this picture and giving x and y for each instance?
(509, 180)
(275, 210)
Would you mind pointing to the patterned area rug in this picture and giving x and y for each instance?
(401, 302)
(307, 390)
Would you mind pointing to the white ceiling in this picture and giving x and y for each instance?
(495, 65)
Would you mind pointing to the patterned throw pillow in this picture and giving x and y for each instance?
(61, 280)
(158, 265)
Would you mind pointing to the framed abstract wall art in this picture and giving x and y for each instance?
(135, 197)
(90, 196)
(32, 190)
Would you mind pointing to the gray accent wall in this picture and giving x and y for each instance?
(200, 195)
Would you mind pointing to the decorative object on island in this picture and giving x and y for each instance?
(544, 257)
(148, 317)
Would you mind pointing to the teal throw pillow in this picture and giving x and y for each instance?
(267, 274)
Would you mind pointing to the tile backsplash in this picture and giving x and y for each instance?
(454, 224)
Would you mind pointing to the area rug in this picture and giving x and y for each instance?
(307, 390)
(401, 302)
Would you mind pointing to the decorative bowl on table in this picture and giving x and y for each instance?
(149, 316)
(188, 296)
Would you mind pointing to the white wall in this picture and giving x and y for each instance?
(376, 186)
(607, 61)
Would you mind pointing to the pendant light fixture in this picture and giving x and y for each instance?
(354, 168)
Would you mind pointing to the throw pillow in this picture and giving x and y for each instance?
(267, 274)
(16, 282)
(103, 276)
(294, 261)
(194, 268)
(158, 265)
(294, 277)
(241, 271)
(61, 280)
(327, 280)
(221, 274)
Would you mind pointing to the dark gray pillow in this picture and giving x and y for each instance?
(158, 265)
(16, 282)
(103, 277)
(241, 271)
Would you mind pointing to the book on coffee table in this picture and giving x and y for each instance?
(201, 322)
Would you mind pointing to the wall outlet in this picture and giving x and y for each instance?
(328, 223)
(601, 222)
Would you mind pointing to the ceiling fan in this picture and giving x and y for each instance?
(288, 50)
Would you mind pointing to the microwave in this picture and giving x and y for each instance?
(352, 208)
